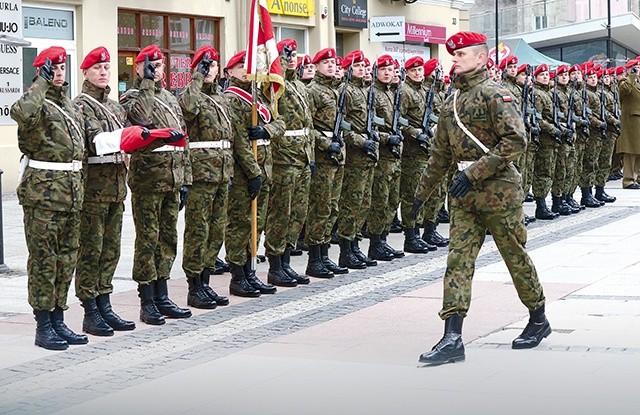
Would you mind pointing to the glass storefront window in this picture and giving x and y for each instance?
(152, 30)
(179, 72)
(179, 33)
(127, 30)
(298, 34)
(204, 33)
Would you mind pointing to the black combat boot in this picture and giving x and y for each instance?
(355, 248)
(602, 196)
(542, 211)
(239, 285)
(93, 322)
(557, 206)
(411, 244)
(377, 251)
(529, 197)
(536, 329)
(276, 275)
(416, 232)
(450, 348)
(165, 306)
(395, 252)
(220, 267)
(148, 311)
(110, 317)
(443, 215)
(574, 209)
(587, 198)
(196, 297)
(45, 335)
(286, 267)
(529, 219)
(328, 263)
(57, 322)
(255, 282)
(205, 277)
(574, 203)
(396, 225)
(347, 258)
(315, 266)
(431, 235)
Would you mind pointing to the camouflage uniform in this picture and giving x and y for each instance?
(559, 177)
(327, 180)
(608, 141)
(291, 169)
(494, 202)
(545, 160)
(105, 192)
(51, 199)
(575, 157)
(155, 178)
(210, 141)
(245, 168)
(594, 143)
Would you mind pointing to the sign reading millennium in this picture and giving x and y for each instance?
(351, 13)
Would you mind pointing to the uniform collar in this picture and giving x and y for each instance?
(101, 94)
(469, 80)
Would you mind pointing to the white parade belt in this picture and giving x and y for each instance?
(210, 144)
(295, 133)
(462, 165)
(168, 148)
(328, 134)
(262, 142)
(75, 165)
(115, 158)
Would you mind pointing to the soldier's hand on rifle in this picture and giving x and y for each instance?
(46, 70)
(415, 208)
(535, 131)
(254, 186)
(184, 195)
(174, 135)
(335, 148)
(567, 133)
(257, 132)
(149, 69)
(312, 167)
(461, 185)
(369, 146)
(603, 125)
(394, 140)
(374, 136)
(204, 64)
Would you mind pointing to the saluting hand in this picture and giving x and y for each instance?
(46, 70)
(149, 69)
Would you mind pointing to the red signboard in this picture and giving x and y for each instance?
(421, 33)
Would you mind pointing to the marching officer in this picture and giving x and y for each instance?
(486, 194)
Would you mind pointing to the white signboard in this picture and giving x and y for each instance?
(386, 29)
(10, 57)
(402, 52)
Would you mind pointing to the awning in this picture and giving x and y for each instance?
(522, 50)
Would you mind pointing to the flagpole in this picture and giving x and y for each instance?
(254, 202)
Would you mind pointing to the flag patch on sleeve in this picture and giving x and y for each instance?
(506, 98)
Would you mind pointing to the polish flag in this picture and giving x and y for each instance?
(133, 138)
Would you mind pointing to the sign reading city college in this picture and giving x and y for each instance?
(350, 13)
(386, 29)
(48, 23)
(303, 8)
(10, 57)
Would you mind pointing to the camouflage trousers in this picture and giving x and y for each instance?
(574, 162)
(238, 233)
(205, 218)
(467, 234)
(325, 184)
(280, 212)
(155, 216)
(356, 187)
(432, 206)
(100, 235)
(590, 159)
(560, 172)
(300, 206)
(527, 165)
(410, 173)
(605, 160)
(385, 196)
(544, 167)
(52, 240)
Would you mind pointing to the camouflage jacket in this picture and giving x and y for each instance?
(294, 150)
(323, 104)
(563, 104)
(240, 112)
(544, 106)
(105, 183)
(412, 105)
(514, 88)
(147, 104)
(45, 134)
(356, 114)
(384, 109)
(612, 121)
(594, 110)
(205, 112)
(496, 122)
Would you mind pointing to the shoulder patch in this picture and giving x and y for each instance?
(507, 98)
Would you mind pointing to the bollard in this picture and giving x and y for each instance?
(3, 267)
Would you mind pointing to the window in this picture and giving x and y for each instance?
(300, 36)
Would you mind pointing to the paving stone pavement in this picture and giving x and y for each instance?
(288, 337)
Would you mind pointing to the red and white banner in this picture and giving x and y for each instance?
(263, 61)
(132, 138)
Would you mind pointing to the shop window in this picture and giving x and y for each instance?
(204, 33)
(179, 33)
(127, 36)
(300, 36)
(152, 30)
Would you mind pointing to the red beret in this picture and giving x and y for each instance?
(291, 43)
(562, 69)
(587, 65)
(592, 71)
(385, 60)
(354, 56)
(575, 68)
(464, 39)
(446, 79)
(339, 61)
(511, 60)
(236, 59)
(638, 58)
(611, 71)
(632, 62)
(502, 64)
(213, 54)
(367, 62)
(56, 55)
(552, 75)
(303, 60)
(98, 55)
(153, 51)
(541, 68)
(430, 65)
(490, 63)
(619, 70)
(522, 68)
(326, 53)
(414, 62)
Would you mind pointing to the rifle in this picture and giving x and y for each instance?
(571, 116)
(452, 78)
(300, 70)
(555, 115)
(340, 123)
(224, 82)
(616, 101)
(535, 125)
(524, 108)
(398, 120)
(585, 109)
(603, 109)
(429, 117)
(372, 118)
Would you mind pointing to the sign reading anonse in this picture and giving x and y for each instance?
(304, 8)
(10, 58)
